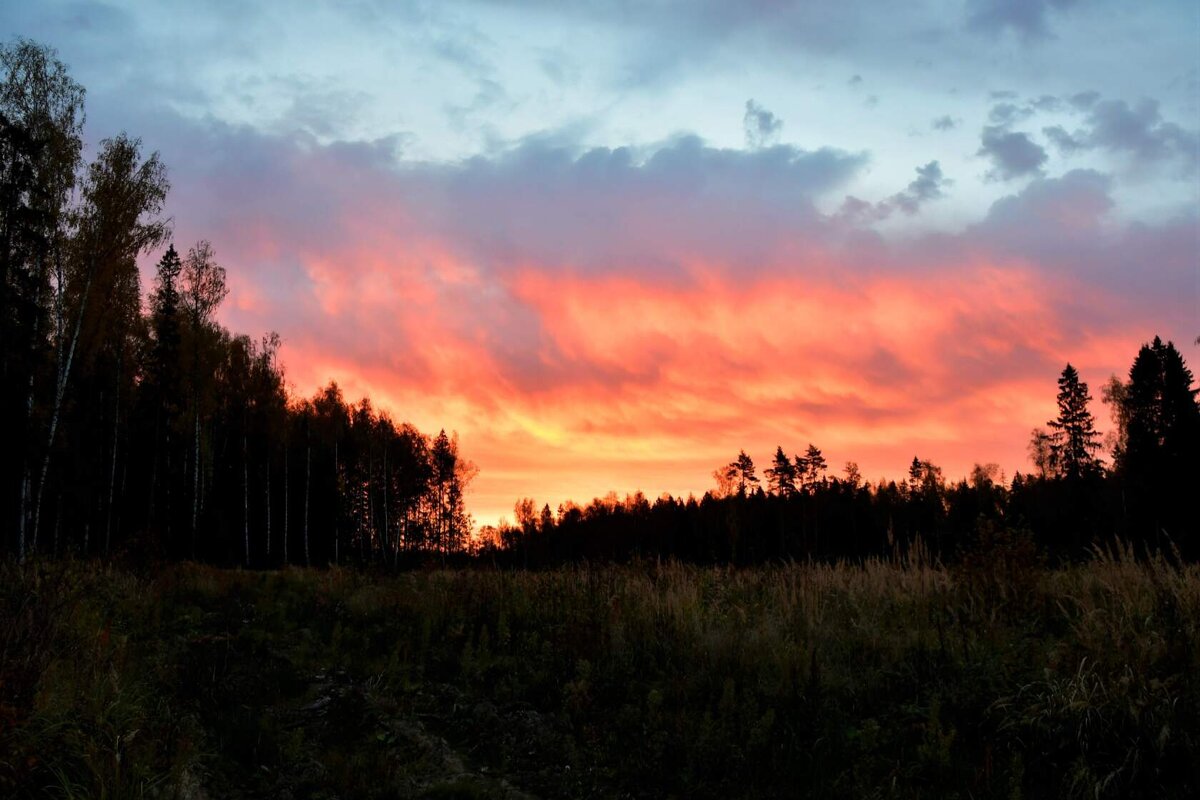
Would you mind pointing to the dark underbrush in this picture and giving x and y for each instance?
(996, 678)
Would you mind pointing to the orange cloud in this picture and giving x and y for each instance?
(647, 386)
(593, 323)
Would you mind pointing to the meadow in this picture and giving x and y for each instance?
(996, 677)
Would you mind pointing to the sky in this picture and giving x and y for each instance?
(612, 244)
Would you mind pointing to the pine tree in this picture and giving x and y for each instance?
(811, 467)
(1074, 440)
(781, 476)
(743, 473)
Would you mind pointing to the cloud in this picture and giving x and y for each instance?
(1137, 132)
(1140, 132)
(1049, 213)
(927, 186)
(762, 127)
(1068, 144)
(1004, 114)
(1082, 101)
(1027, 19)
(1013, 154)
(1046, 102)
(595, 318)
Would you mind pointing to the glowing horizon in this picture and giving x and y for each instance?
(611, 250)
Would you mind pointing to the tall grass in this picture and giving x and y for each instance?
(998, 677)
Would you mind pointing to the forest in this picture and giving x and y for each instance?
(213, 587)
(135, 423)
(799, 509)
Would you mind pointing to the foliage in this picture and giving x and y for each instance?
(158, 432)
(997, 678)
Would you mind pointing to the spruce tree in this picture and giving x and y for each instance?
(1156, 411)
(1159, 454)
(1074, 440)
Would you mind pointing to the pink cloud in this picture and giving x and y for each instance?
(594, 322)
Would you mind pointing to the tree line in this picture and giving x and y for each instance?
(138, 423)
(799, 509)
(132, 421)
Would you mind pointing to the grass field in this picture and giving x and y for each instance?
(995, 678)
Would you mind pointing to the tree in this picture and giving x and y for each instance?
(1074, 440)
(781, 475)
(98, 394)
(1159, 411)
(203, 290)
(810, 469)
(450, 476)
(1041, 453)
(1158, 454)
(525, 513)
(1114, 394)
(726, 479)
(162, 391)
(164, 326)
(41, 144)
(853, 475)
(117, 219)
(742, 473)
(924, 478)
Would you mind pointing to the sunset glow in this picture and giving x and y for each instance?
(602, 283)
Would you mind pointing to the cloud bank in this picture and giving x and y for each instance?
(595, 318)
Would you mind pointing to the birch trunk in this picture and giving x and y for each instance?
(267, 499)
(287, 480)
(307, 481)
(112, 467)
(387, 541)
(337, 498)
(195, 470)
(245, 495)
(64, 372)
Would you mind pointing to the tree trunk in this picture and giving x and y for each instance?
(112, 467)
(58, 523)
(64, 372)
(245, 495)
(387, 541)
(337, 503)
(195, 470)
(287, 480)
(267, 499)
(369, 545)
(154, 466)
(27, 475)
(307, 481)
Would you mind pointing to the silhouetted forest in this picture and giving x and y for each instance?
(133, 422)
(798, 508)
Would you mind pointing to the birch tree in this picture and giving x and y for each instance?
(203, 290)
(41, 142)
(116, 220)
